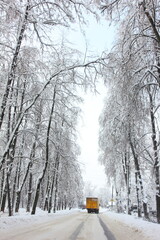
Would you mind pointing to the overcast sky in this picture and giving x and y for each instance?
(93, 172)
(99, 37)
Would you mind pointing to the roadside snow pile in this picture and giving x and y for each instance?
(150, 229)
(23, 217)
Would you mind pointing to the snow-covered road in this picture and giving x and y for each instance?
(76, 226)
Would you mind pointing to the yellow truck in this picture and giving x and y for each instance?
(92, 204)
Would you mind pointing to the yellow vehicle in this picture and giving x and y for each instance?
(92, 205)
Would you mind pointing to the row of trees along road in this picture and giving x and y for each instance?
(129, 124)
(40, 78)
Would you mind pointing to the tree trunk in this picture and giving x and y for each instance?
(144, 204)
(137, 173)
(2, 185)
(53, 182)
(158, 207)
(128, 190)
(126, 171)
(46, 204)
(117, 201)
(65, 203)
(51, 195)
(42, 196)
(7, 192)
(36, 196)
(156, 159)
(47, 154)
(145, 210)
(137, 194)
(138, 180)
(4, 197)
(18, 199)
(62, 204)
(14, 185)
(10, 209)
(32, 156)
(29, 192)
(21, 187)
(13, 65)
(56, 185)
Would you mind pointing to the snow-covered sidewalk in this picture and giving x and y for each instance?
(149, 229)
(23, 218)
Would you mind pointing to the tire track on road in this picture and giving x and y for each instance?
(78, 229)
(106, 230)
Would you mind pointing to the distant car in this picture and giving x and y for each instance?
(82, 206)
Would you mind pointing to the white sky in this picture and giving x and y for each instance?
(99, 38)
(93, 172)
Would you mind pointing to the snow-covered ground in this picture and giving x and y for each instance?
(151, 230)
(21, 218)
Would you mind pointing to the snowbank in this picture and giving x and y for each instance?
(22, 217)
(152, 230)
